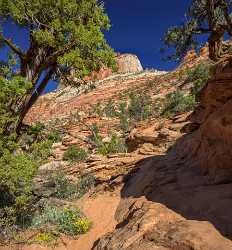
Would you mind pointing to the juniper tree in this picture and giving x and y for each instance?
(61, 34)
(209, 17)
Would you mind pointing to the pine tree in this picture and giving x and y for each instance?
(62, 34)
(204, 17)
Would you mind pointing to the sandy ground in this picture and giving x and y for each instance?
(100, 210)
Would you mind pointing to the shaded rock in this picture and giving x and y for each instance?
(210, 146)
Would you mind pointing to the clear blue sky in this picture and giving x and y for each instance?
(137, 27)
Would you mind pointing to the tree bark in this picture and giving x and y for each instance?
(32, 98)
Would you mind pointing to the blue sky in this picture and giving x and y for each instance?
(137, 27)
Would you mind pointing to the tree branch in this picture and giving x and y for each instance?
(12, 46)
(61, 52)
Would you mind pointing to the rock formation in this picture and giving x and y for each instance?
(166, 204)
(175, 194)
(128, 63)
(209, 146)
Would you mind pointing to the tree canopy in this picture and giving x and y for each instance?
(62, 34)
(204, 17)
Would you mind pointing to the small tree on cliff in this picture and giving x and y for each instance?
(210, 17)
(61, 34)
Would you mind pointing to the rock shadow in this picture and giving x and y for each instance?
(168, 180)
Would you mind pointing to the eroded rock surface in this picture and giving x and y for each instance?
(183, 200)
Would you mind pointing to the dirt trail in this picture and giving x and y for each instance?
(100, 210)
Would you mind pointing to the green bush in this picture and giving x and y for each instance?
(178, 102)
(70, 222)
(67, 189)
(115, 145)
(16, 174)
(198, 77)
(139, 108)
(124, 117)
(110, 109)
(75, 154)
(67, 220)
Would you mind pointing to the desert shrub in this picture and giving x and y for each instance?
(95, 138)
(110, 109)
(115, 145)
(198, 77)
(139, 108)
(64, 188)
(98, 109)
(67, 220)
(75, 154)
(16, 174)
(46, 238)
(178, 102)
(72, 223)
(124, 117)
(67, 189)
(85, 183)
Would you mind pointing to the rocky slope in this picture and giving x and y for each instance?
(182, 200)
(178, 199)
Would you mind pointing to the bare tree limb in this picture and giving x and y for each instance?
(12, 46)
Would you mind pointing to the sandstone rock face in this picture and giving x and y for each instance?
(209, 147)
(165, 206)
(66, 101)
(192, 58)
(182, 200)
(128, 63)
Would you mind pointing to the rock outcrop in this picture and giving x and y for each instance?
(192, 58)
(128, 63)
(182, 200)
(209, 147)
(175, 195)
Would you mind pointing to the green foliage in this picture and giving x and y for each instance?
(67, 33)
(75, 154)
(104, 147)
(139, 108)
(178, 102)
(110, 109)
(124, 117)
(95, 138)
(71, 222)
(20, 159)
(12, 90)
(46, 238)
(198, 77)
(113, 146)
(67, 220)
(203, 17)
(67, 189)
(16, 173)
